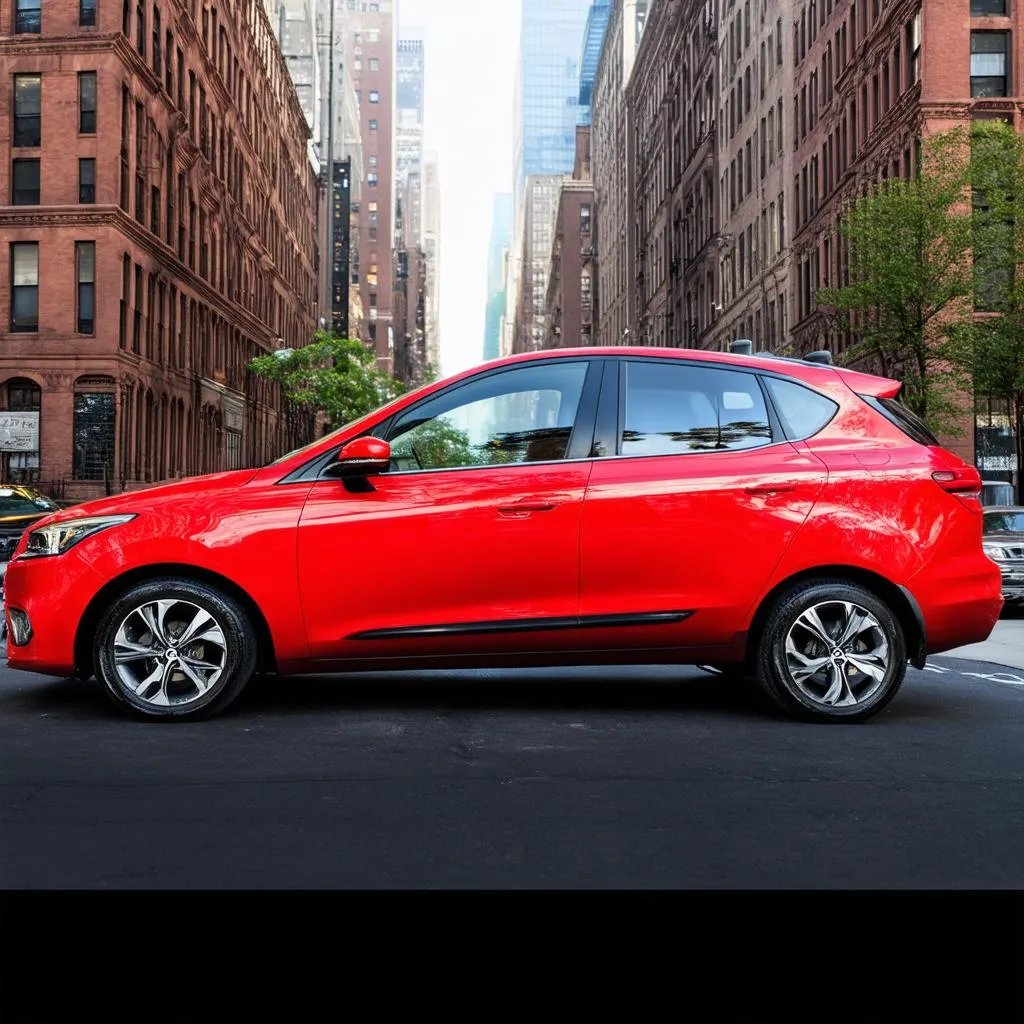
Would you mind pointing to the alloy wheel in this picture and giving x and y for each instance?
(169, 652)
(837, 654)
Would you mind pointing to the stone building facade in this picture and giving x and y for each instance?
(157, 214)
(571, 299)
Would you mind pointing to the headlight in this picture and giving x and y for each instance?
(58, 537)
(994, 551)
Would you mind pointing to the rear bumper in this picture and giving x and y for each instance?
(960, 603)
(54, 593)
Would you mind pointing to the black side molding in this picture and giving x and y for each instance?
(523, 625)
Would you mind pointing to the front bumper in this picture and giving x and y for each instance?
(53, 594)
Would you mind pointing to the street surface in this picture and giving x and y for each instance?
(645, 777)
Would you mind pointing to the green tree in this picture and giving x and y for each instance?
(332, 375)
(990, 346)
(911, 284)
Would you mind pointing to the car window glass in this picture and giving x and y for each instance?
(803, 411)
(1004, 522)
(12, 503)
(678, 409)
(520, 415)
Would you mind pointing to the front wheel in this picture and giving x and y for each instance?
(831, 651)
(174, 649)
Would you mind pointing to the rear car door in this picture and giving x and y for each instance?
(692, 509)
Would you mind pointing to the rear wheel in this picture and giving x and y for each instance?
(174, 649)
(831, 651)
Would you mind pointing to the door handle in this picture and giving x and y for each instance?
(776, 488)
(524, 507)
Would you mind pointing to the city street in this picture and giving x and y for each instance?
(654, 777)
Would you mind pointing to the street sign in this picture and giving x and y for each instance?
(19, 431)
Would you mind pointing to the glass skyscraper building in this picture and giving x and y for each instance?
(593, 41)
(547, 108)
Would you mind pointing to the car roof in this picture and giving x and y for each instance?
(858, 381)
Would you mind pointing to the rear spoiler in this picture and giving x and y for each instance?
(860, 383)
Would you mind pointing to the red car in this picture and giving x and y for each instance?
(777, 518)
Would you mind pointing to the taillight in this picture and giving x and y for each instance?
(964, 482)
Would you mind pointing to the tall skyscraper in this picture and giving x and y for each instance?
(593, 40)
(501, 239)
(432, 254)
(369, 48)
(409, 72)
(547, 107)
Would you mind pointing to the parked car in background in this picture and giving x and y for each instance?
(1003, 542)
(20, 507)
(773, 517)
(996, 493)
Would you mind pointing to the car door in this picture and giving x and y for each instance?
(471, 541)
(698, 499)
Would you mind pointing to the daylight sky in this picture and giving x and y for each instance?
(470, 50)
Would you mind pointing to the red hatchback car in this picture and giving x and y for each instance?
(767, 517)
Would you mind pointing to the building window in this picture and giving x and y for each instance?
(373, 161)
(585, 219)
(87, 103)
(157, 61)
(154, 209)
(374, 96)
(28, 91)
(987, 8)
(374, 64)
(373, 124)
(93, 431)
(371, 179)
(989, 66)
(914, 48)
(25, 183)
(24, 286)
(28, 16)
(85, 276)
(140, 27)
(24, 396)
(87, 13)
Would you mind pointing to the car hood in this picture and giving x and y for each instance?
(25, 519)
(139, 501)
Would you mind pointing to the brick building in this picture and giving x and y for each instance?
(410, 288)
(139, 287)
(754, 143)
(369, 34)
(612, 163)
(571, 297)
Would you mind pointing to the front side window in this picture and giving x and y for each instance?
(28, 96)
(25, 183)
(25, 286)
(28, 16)
(989, 63)
(87, 103)
(675, 410)
(520, 415)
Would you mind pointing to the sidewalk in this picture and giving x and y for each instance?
(1004, 647)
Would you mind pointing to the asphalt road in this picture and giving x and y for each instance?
(639, 778)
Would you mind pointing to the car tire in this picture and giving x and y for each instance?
(831, 651)
(174, 650)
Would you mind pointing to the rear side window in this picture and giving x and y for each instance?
(678, 409)
(911, 424)
(803, 412)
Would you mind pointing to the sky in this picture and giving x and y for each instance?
(470, 49)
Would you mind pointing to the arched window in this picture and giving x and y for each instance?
(23, 397)
(93, 431)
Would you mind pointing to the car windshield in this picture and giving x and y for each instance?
(14, 503)
(1004, 522)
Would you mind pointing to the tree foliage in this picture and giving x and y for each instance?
(332, 375)
(911, 284)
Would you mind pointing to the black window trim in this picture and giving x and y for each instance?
(582, 432)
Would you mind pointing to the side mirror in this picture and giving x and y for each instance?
(365, 456)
